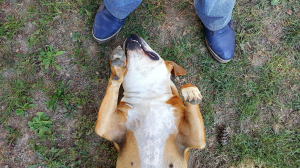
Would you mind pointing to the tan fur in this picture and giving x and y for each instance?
(191, 133)
(174, 68)
(172, 154)
(191, 129)
(111, 121)
(129, 154)
(187, 85)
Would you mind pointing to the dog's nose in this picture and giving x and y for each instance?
(133, 45)
(133, 42)
(134, 37)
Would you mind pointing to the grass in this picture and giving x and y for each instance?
(260, 87)
(292, 34)
(267, 149)
(15, 97)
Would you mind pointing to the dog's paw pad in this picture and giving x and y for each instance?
(191, 95)
(117, 62)
(115, 78)
(118, 57)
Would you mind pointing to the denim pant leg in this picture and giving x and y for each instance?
(214, 14)
(121, 8)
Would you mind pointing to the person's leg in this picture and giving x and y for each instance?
(121, 8)
(111, 16)
(219, 31)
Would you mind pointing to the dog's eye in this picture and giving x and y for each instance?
(152, 55)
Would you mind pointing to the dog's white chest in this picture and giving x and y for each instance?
(152, 125)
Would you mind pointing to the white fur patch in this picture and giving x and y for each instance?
(146, 89)
(152, 124)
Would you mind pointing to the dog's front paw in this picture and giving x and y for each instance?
(118, 63)
(191, 94)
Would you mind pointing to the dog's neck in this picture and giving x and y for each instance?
(151, 85)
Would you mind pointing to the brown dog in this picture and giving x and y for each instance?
(151, 127)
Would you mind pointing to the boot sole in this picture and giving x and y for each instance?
(100, 41)
(214, 54)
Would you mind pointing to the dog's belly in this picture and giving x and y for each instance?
(152, 125)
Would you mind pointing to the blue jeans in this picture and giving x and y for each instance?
(214, 14)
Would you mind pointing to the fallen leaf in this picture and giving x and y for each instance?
(289, 12)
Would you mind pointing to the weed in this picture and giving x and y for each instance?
(41, 124)
(52, 157)
(75, 36)
(81, 53)
(60, 96)
(39, 34)
(48, 55)
(41, 26)
(21, 111)
(12, 135)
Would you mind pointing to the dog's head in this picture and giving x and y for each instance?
(146, 68)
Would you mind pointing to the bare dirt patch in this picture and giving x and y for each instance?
(259, 58)
(177, 23)
(225, 118)
(274, 31)
(17, 154)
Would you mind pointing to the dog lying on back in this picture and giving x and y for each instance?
(151, 127)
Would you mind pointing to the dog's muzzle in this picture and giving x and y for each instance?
(134, 42)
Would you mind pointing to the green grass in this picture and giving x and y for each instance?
(15, 96)
(266, 148)
(156, 8)
(10, 26)
(183, 4)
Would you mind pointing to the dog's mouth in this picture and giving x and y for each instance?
(134, 42)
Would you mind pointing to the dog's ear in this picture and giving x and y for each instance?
(174, 68)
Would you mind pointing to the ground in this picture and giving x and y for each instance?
(50, 63)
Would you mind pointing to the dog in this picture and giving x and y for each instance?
(151, 127)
